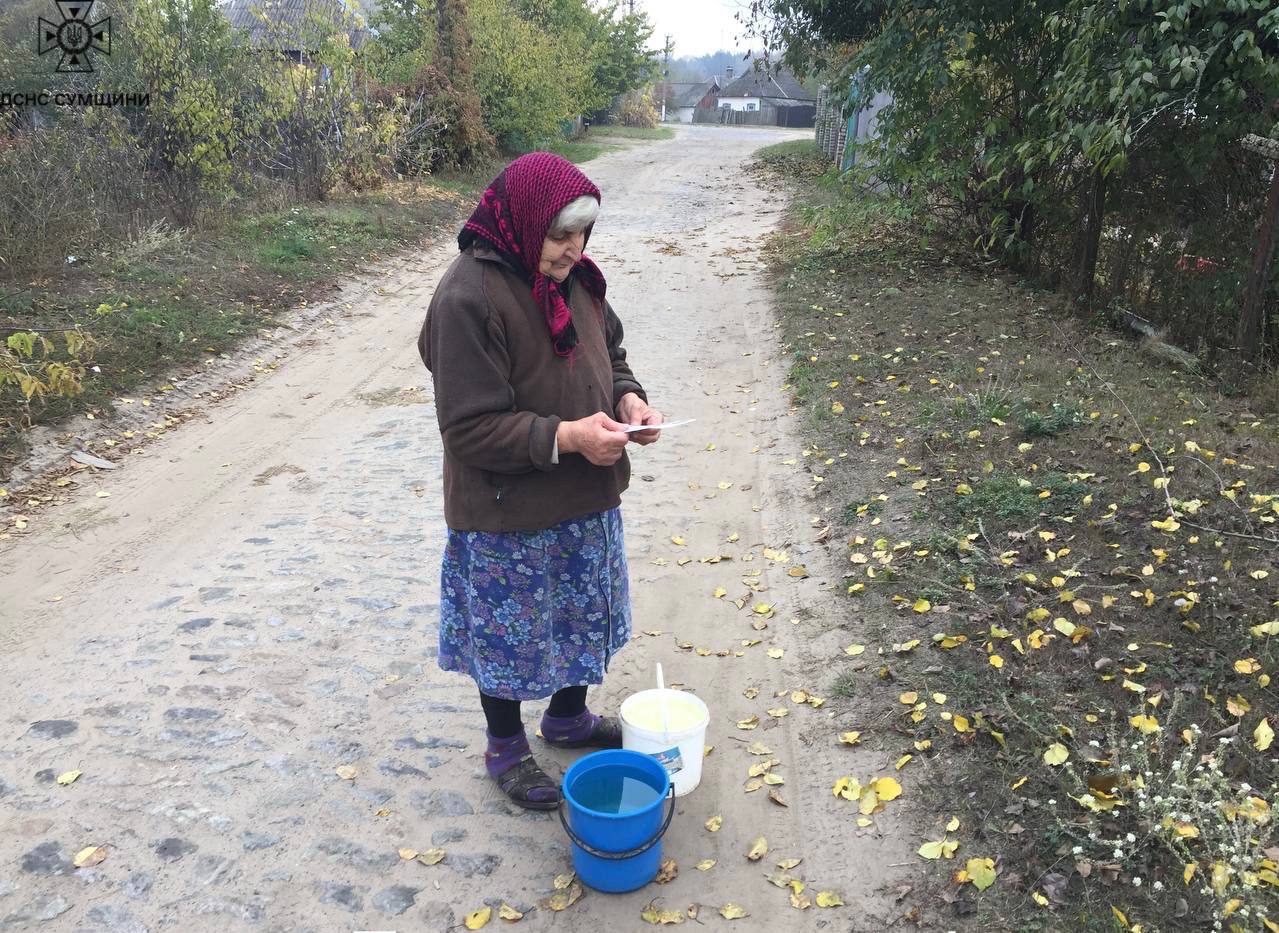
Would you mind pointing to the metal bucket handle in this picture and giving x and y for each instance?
(630, 853)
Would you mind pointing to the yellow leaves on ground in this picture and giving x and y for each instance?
(980, 872)
(758, 849)
(776, 653)
(568, 892)
(652, 914)
(714, 823)
(478, 918)
(829, 899)
(1056, 754)
(870, 797)
(922, 605)
(854, 650)
(1147, 725)
(429, 857)
(345, 772)
(850, 738)
(89, 856)
(509, 913)
(942, 848)
(1262, 736)
(1247, 666)
(732, 912)
(69, 777)
(705, 864)
(749, 723)
(909, 698)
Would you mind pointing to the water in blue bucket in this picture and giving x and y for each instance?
(614, 818)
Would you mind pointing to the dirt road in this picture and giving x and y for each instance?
(253, 607)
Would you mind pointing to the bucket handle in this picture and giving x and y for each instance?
(630, 853)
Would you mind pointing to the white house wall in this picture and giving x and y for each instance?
(739, 103)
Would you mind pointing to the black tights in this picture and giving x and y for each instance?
(504, 715)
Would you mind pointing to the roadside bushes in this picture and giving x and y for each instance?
(230, 119)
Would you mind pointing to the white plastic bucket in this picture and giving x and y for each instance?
(681, 749)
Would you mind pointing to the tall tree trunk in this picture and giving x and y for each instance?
(1084, 277)
(1250, 315)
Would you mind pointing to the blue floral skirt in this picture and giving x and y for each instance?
(526, 613)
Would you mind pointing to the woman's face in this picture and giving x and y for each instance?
(560, 253)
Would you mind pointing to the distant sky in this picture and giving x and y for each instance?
(697, 27)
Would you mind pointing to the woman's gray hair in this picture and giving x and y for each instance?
(576, 216)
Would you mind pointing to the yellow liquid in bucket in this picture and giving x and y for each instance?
(646, 713)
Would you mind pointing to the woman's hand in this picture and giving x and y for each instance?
(598, 438)
(632, 409)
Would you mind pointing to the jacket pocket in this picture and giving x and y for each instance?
(496, 486)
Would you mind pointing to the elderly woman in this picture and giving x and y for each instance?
(533, 395)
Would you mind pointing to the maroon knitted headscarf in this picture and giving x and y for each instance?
(514, 216)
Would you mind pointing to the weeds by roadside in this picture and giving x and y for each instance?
(169, 299)
(1075, 550)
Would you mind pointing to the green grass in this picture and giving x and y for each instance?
(1059, 418)
(177, 299)
(633, 132)
(845, 685)
(579, 150)
(1007, 496)
(298, 242)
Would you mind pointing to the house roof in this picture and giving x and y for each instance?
(287, 24)
(777, 83)
(692, 94)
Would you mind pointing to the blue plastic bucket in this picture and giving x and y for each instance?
(622, 850)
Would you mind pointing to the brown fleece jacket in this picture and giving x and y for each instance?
(501, 392)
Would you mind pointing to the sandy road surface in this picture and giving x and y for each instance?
(254, 606)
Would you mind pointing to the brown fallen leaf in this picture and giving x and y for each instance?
(668, 871)
(776, 797)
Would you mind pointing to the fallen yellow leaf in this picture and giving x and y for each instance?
(89, 856)
(478, 918)
(1263, 735)
(759, 848)
(1056, 754)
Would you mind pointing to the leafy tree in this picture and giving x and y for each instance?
(530, 81)
(183, 53)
